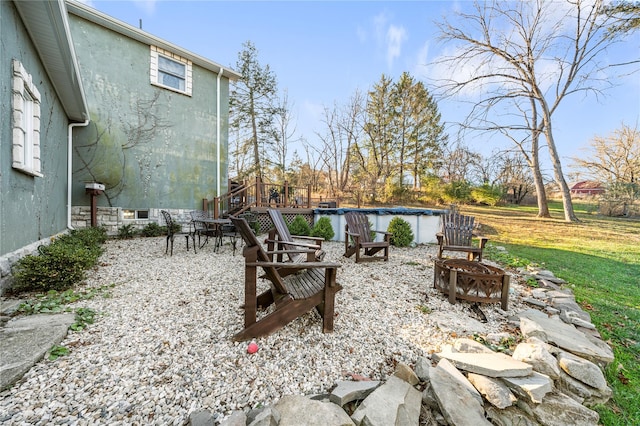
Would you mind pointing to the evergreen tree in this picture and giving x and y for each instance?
(253, 106)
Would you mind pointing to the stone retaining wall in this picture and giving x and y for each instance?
(112, 218)
(554, 376)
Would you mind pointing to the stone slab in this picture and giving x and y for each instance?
(492, 365)
(566, 336)
(24, 341)
(456, 404)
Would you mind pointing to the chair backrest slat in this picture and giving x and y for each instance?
(282, 230)
(251, 241)
(457, 229)
(358, 223)
(168, 221)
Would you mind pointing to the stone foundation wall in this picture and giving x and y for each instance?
(112, 218)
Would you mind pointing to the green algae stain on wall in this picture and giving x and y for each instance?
(150, 146)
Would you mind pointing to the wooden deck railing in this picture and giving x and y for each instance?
(258, 194)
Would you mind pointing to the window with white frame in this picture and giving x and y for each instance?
(26, 122)
(170, 71)
(130, 214)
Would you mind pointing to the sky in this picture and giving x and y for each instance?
(321, 52)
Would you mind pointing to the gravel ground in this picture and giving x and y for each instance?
(162, 347)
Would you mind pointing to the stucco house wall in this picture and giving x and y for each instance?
(33, 206)
(152, 147)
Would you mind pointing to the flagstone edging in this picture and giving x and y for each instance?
(554, 376)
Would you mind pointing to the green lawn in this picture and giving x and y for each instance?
(600, 258)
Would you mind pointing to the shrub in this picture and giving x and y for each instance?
(486, 194)
(322, 228)
(299, 226)
(126, 232)
(152, 229)
(401, 234)
(90, 236)
(61, 264)
(457, 192)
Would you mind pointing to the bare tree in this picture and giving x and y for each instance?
(615, 158)
(343, 130)
(513, 175)
(520, 60)
(460, 165)
(284, 135)
(309, 171)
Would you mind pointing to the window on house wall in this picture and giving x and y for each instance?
(135, 214)
(170, 71)
(26, 122)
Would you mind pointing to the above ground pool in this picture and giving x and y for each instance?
(424, 222)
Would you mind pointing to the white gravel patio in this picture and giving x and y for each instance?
(162, 347)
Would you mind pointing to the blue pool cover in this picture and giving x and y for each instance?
(382, 211)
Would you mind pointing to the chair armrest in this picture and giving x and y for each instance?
(271, 252)
(292, 243)
(319, 240)
(290, 265)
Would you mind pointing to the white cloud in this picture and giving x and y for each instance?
(421, 66)
(147, 6)
(396, 36)
(389, 38)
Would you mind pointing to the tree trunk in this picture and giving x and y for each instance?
(541, 194)
(567, 204)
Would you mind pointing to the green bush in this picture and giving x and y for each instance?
(457, 192)
(152, 229)
(487, 194)
(61, 264)
(126, 232)
(322, 228)
(431, 190)
(89, 236)
(401, 234)
(299, 226)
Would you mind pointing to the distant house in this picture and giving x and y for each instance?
(91, 99)
(587, 188)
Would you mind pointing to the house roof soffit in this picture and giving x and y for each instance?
(47, 24)
(104, 20)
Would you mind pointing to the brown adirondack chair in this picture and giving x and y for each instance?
(457, 235)
(358, 237)
(281, 239)
(313, 286)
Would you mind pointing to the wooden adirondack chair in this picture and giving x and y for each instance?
(457, 235)
(358, 236)
(281, 239)
(313, 286)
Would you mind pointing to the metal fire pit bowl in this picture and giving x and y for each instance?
(472, 281)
